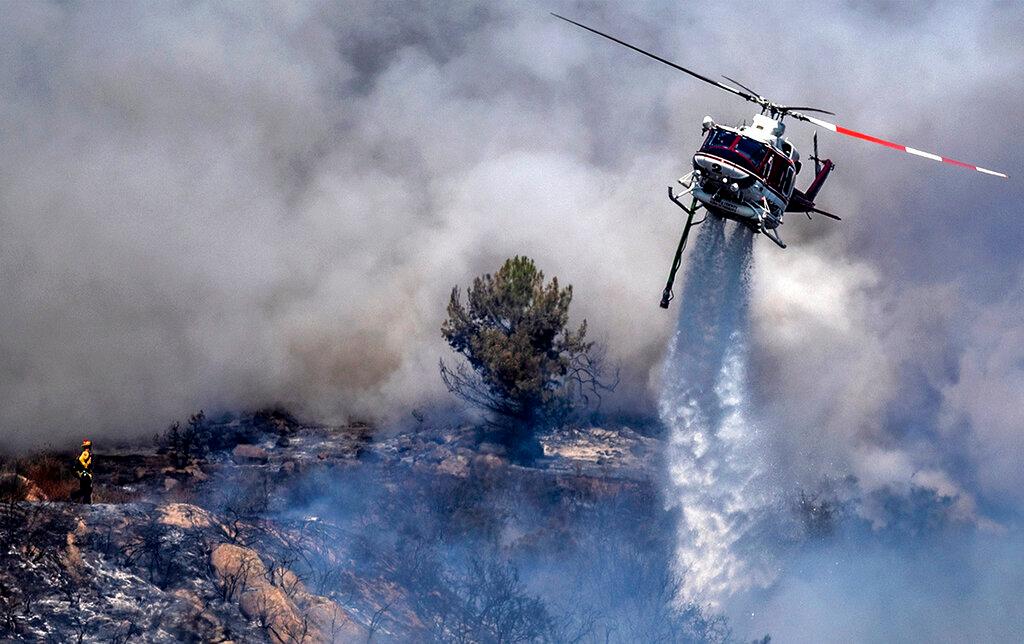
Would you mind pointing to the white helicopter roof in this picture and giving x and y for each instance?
(765, 130)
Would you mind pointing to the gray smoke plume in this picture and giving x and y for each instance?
(227, 206)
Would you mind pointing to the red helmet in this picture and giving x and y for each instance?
(86, 443)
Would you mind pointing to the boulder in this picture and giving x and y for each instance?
(289, 616)
(489, 461)
(185, 515)
(245, 453)
(288, 468)
(196, 473)
(455, 465)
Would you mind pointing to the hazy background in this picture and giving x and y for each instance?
(231, 205)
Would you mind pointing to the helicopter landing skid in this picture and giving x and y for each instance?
(770, 233)
(774, 236)
(667, 295)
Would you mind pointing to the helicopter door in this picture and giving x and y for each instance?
(779, 174)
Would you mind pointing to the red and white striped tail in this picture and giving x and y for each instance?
(896, 146)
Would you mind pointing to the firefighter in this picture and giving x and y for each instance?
(83, 467)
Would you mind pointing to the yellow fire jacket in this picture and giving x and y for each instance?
(85, 460)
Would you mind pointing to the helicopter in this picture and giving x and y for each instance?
(748, 173)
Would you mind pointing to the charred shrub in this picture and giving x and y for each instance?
(163, 554)
(146, 550)
(185, 443)
(202, 436)
(246, 500)
(485, 601)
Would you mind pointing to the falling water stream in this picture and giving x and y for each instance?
(717, 469)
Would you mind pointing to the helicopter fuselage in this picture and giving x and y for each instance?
(745, 174)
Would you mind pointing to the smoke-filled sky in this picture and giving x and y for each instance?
(230, 205)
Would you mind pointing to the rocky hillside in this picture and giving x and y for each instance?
(270, 530)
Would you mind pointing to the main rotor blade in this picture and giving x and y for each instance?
(752, 98)
(781, 108)
(787, 108)
(733, 80)
(889, 144)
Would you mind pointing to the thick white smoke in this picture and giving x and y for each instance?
(227, 206)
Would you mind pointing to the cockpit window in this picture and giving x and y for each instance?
(740, 150)
(753, 150)
(720, 139)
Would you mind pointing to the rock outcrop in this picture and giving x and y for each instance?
(278, 601)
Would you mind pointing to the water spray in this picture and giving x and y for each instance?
(716, 469)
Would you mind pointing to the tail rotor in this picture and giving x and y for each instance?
(817, 160)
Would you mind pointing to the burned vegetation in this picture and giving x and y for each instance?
(274, 530)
